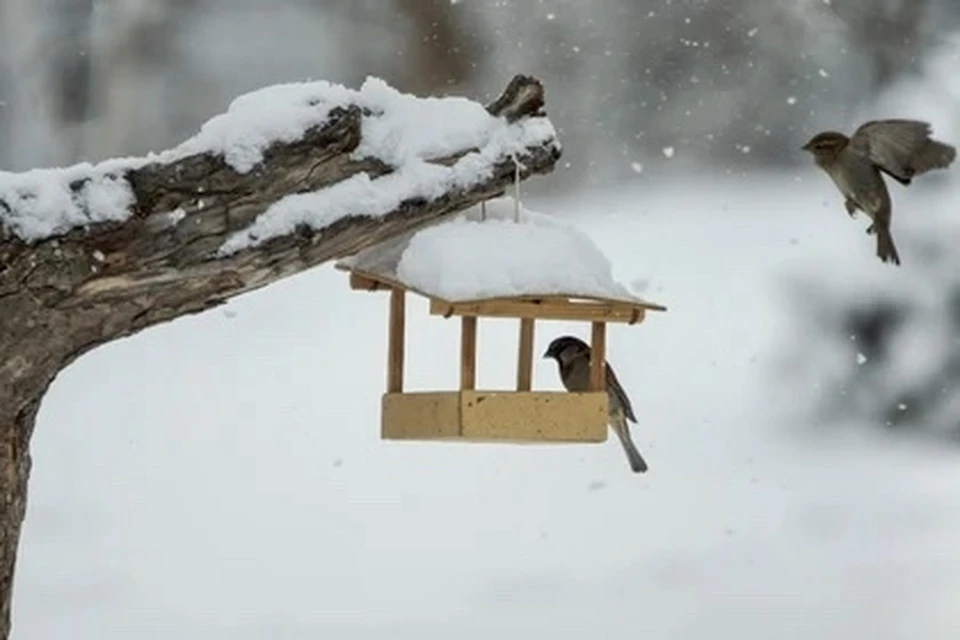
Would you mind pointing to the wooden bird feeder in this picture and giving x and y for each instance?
(520, 416)
(506, 416)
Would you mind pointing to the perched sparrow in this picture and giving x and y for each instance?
(901, 149)
(573, 357)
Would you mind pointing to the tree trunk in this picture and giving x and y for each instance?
(15, 431)
(63, 296)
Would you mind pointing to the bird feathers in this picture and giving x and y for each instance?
(619, 425)
(573, 359)
(901, 148)
(573, 356)
(614, 385)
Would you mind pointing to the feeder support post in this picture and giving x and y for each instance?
(598, 354)
(525, 355)
(396, 338)
(468, 353)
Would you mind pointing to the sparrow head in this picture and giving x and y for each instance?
(565, 348)
(826, 145)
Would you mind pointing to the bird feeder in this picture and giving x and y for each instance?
(519, 415)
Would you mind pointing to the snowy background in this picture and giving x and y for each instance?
(221, 476)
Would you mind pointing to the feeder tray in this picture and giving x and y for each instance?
(521, 416)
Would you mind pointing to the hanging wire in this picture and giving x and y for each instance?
(516, 186)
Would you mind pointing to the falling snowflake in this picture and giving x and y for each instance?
(668, 152)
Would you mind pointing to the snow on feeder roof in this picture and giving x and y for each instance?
(488, 255)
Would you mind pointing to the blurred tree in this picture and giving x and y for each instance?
(133, 51)
(82, 77)
(442, 50)
(32, 101)
(70, 60)
(436, 48)
(893, 33)
(734, 84)
(894, 356)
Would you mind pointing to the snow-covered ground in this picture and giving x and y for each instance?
(222, 476)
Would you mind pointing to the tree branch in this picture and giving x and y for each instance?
(115, 273)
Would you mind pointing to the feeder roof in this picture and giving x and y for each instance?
(468, 259)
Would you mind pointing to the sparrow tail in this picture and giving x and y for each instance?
(637, 463)
(886, 249)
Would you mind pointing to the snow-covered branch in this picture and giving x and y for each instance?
(289, 177)
(255, 191)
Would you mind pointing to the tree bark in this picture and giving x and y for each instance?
(63, 296)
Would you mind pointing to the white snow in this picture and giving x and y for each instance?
(41, 203)
(402, 130)
(470, 258)
(407, 128)
(466, 259)
(407, 134)
(749, 525)
(255, 120)
(179, 214)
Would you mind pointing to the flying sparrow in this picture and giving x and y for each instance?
(573, 358)
(901, 149)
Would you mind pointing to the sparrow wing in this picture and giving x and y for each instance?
(901, 148)
(614, 385)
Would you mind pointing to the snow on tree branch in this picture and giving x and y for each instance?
(290, 176)
(410, 135)
(405, 133)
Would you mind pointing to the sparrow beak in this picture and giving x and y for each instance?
(805, 147)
